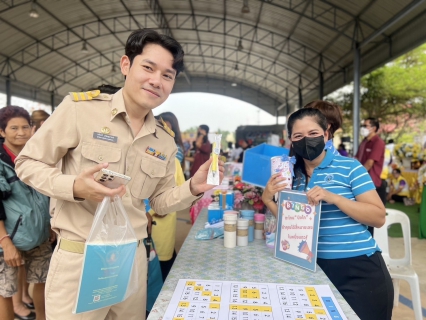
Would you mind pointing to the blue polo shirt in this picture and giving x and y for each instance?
(340, 236)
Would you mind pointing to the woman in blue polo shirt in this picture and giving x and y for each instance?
(347, 253)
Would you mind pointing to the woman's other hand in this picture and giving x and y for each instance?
(12, 256)
(317, 194)
(274, 185)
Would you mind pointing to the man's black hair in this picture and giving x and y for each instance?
(374, 123)
(140, 38)
(206, 129)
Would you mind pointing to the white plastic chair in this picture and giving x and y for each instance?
(400, 269)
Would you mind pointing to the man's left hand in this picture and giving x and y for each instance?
(199, 180)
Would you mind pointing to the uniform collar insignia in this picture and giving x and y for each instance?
(166, 127)
(85, 96)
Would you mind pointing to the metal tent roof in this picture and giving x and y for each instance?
(276, 53)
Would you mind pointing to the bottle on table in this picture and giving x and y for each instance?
(259, 223)
(242, 232)
(249, 215)
(230, 230)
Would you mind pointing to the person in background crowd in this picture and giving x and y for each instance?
(398, 188)
(390, 145)
(22, 297)
(186, 146)
(371, 154)
(250, 143)
(236, 152)
(342, 150)
(347, 252)
(173, 123)
(244, 145)
(333, 113)
(137, 145)
(15, 131)
(163, 232)
(38, 117)
(387, 164)
(192, 150)
(203, 148)
(421, 174)
(189, 160)
(164, 229)
(228, 152)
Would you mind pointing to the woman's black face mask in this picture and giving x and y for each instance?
(309, 148)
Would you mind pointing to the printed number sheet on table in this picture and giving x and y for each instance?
(234, 300)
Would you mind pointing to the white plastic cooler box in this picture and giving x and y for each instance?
(257, 163)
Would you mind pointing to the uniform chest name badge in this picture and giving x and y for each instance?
(154, 153)
(105, 137)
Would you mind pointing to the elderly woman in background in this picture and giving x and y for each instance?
(15, 131)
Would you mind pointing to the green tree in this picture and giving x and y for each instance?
(394, 93)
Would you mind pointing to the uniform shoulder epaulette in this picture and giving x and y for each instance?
(162, 124)
(89, 95)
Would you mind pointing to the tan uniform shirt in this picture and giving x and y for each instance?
(72, 134)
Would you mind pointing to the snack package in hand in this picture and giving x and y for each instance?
(213, 175)
(284, 165)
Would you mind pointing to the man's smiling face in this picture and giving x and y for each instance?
(150, 78)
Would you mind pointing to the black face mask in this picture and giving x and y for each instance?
(309, 148)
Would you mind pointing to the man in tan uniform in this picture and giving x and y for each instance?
(90, 131)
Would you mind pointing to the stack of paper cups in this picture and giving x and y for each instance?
(259, 221)
(242, 232)
(237, 213)
(249, 215)
(230, 230)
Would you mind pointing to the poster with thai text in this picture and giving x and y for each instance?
(296, 240)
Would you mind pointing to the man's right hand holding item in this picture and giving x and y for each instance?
(199, 184)
(85, 186)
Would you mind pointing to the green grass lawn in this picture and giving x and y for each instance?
(413, 214)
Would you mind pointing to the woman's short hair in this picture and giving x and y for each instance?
(11, 112)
